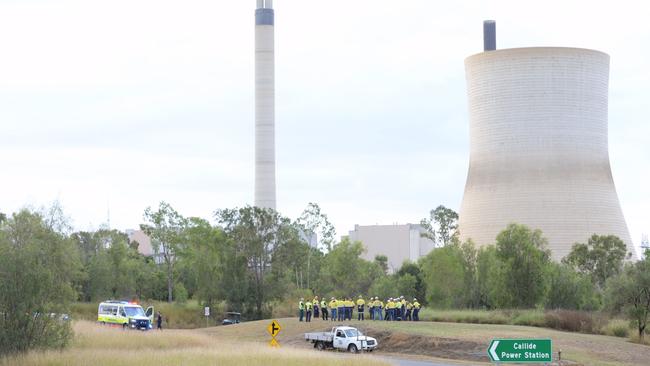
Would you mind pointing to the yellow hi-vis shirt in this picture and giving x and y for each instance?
(349, 303)
(389, 305)
(339, 303)
(333, 304)
(416, 305)
(323, 304)
(409, 306)
(361, 302)
(377, 303)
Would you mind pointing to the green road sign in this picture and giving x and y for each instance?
(521, 350)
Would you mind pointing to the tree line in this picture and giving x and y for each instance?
(251, 258)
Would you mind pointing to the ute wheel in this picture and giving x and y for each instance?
(320, 346)
(353, 348)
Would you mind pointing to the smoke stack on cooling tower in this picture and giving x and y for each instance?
(539, 147)
(489, 35)
(264, 105)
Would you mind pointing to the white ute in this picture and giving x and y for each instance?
(342, 338)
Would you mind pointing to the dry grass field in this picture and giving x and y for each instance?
(246, 344)
(105, 346)
(455, 341)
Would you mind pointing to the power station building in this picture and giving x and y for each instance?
(398, 243)
(539, 145)
(265, 105)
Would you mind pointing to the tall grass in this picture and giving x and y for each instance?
(105, 346)
(567, 320)
(617, 328)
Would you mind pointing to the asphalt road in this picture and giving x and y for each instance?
(404, 362)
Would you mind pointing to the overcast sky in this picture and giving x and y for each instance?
(124, 103)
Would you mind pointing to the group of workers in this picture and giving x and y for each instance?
(341, 309)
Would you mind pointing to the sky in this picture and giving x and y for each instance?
(110, 107)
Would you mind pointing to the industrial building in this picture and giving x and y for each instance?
(397, 242)
(265, 105)
(539, 145)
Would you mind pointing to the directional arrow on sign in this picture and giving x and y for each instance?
(273, 328)
(493, 351)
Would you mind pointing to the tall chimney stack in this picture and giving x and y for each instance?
(264, 105)
(489, 35)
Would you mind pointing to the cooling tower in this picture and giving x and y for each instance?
(264, 105)
(538, 147)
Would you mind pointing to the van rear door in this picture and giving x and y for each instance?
(149, 313)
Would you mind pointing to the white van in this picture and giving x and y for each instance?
(126, 314)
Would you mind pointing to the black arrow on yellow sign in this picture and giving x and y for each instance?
(274, 328)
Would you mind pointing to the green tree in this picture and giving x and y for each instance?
(601, 258)
(257, 235)
(382, 262)
(109, 263)
(407, 286)
(469, 256)
(525, 262)
(488, 277)
(629, 292)
(441, 226)
(345, 272)
(205, 251)
(38, 266)
(384, 287)
(570, 290)
(165, 227)
(444, 277)
(413, 269)
(315, 225)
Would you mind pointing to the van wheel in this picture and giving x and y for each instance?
(320, 346)
(124, 326)
(353, 348)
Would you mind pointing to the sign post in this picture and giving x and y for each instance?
(521, 351)
(274, 329)
(207, 315)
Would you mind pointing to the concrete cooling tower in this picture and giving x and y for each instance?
(264, 105)
(538, 146)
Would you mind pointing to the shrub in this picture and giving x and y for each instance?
(180, 293)
(37, 267)
(569, 320)
(531, 318)
(617, 328)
